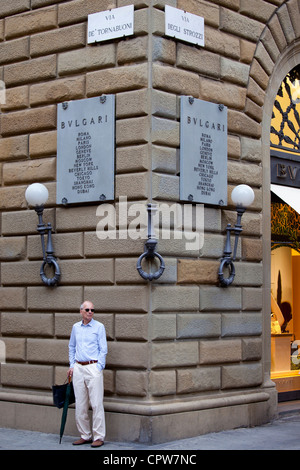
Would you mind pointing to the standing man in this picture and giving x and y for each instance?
(87, 353)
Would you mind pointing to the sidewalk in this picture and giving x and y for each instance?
(281, 434)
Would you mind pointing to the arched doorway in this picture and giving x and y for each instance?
(285, 237)
(284, 61)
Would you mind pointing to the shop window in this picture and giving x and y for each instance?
(285, 237)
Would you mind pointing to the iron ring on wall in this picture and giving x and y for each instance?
(53, 280)
(226, 281)
(150, 276)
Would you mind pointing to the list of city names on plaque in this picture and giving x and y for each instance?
(85, 150)
(203, 152)
(84, 168)
(206, 169)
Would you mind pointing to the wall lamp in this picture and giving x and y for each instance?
(36, 195)
(242, 196)
(150, 246)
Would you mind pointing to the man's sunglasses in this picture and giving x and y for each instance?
(89, 309)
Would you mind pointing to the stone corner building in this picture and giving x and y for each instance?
(185, 356)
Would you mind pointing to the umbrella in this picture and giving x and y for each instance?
(65, 410)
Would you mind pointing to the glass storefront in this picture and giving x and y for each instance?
(285, 236)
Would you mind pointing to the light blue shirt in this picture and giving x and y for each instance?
(88, 343)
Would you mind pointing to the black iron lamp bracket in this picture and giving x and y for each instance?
(150, 252)
(48, 252)
(227, 260)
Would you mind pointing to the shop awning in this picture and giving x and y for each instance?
(289, 195)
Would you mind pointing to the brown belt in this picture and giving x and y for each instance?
(86, 363)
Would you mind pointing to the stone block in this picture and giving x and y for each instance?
(198, 380)
(165, 187)
(209, 12)
(113, 80)
(12, 248)
(58, 40)
(250, 274)
(163, 382)
(226, 93)
(219, 351)
(163, 326)
(175, 354)
(199, 61)
(219, 299)
(27, 324)
(31, 22)
(197, 271)
(78, 10)
(15, 349)
(222, 44)
(239, 25)
(164, 50)
(49, 351)
(132, 158)
(195, 325)
(92, 271)
(28, 171)
(42, 144)
(251, 222)
(132, 131)
(127, 354)
(64, 298)
(26, 375)
(132, 103)
(164, 159)
(239, 123)
(252, 298)
(269, 42)
(16, 98)
(76, 219)
(12, 298)
(23, 222)
(252, 249)
(131, 327)
(252, 349)
(118, 298)
(175, 80)
(29, 71)
(247, 173)
(112, 246)
(12, 197)
(132, 50)
(12, 148)
(251, 149)
(31, 120)
(86, 59)
(175, 298)
(13, 51)
(165, 132)
(130, 382)
(235, 72)
(241, 376)
(258, 10)
(126, 272)
(246, 324)
(277, 32)
(7, 9)
(56, 91)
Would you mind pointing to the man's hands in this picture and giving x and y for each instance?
(70, 372)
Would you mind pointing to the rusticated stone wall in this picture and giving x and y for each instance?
(183, 337)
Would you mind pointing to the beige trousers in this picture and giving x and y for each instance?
(88, 389)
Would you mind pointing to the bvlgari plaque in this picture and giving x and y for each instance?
(203, 151)
(85, 150)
